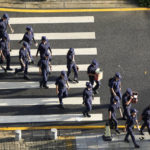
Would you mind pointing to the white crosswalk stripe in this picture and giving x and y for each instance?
(48, 20)
(57, 36)
(55, 68)
(57, 52)
(45, 101)
(29, 85)
(49, 118)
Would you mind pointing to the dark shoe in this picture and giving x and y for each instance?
(5, 70)
(76, 80)
(10, 69)
(141, 132)
(118, 131)
(26, 78)
(123, 118)
(126, 140)
(69, 80)
(32, 62)
(15, 71)
(136, 146)
(61, 106)
(84, 114)
(41, 85)
(88, 115)
(95, 92)
(46, 87)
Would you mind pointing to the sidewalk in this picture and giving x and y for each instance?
(50, 4)
(78, 139)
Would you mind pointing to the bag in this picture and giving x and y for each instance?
(110, 81)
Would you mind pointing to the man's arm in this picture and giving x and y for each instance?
(12, 30)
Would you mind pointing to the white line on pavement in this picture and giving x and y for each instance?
(78, 51)
(55, 68)
(28, 85)
(44, 101)
(57, 36)
(48, 20)
(49, 118)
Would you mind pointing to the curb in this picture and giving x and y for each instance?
(57, 127)
(72, 10)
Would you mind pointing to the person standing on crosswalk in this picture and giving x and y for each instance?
(44, 70)
(28, 37)
(4, 46)
(115, 89)
(112, 114)
(4, 23)
(132, 120)
(71, 65)
(24, 58)
(87, 99)
(92, 73)
(61, 89)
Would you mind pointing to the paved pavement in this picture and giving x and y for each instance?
(69, 4)
(85, 139)
(120, 43)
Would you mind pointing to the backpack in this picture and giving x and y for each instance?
(110, 81)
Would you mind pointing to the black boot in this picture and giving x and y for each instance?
(88, 115)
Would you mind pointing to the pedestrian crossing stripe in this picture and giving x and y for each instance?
(30, 85)
(50, 118)
(55, 68)
(45, 101)
(49, 20)
(57, 36)
(57, 52)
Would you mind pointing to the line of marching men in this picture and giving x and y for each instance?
(45, 66)
(129, 114)
(62, 85)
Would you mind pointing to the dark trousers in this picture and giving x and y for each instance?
(146, 124)
(74, 68)
(25, 69)
(88, 107)
(130, 132)
(113, 122)
(126, 112)
(44, 77)
(7, 56)
(98, 83)
(62, 94)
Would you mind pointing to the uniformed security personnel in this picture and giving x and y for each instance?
(4, 46)
(24, 59)
(146, 119)
(131, 121)
(44, 47)
(71, 65)
(4, 23)
(28, 37)
(87, 99)
(61, 89)
(126, 102)
(115, 90)
(44, 70)
(91, 73)
(112, 113)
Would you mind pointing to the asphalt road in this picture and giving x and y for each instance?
(122, 41)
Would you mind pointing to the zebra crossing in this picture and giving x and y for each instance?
(73, 101)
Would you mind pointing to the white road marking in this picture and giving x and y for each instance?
(49, 20)
(57, 36)
(49, 118)
(28, 85)
(55, 52)
(45, 101)
(31, 69)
